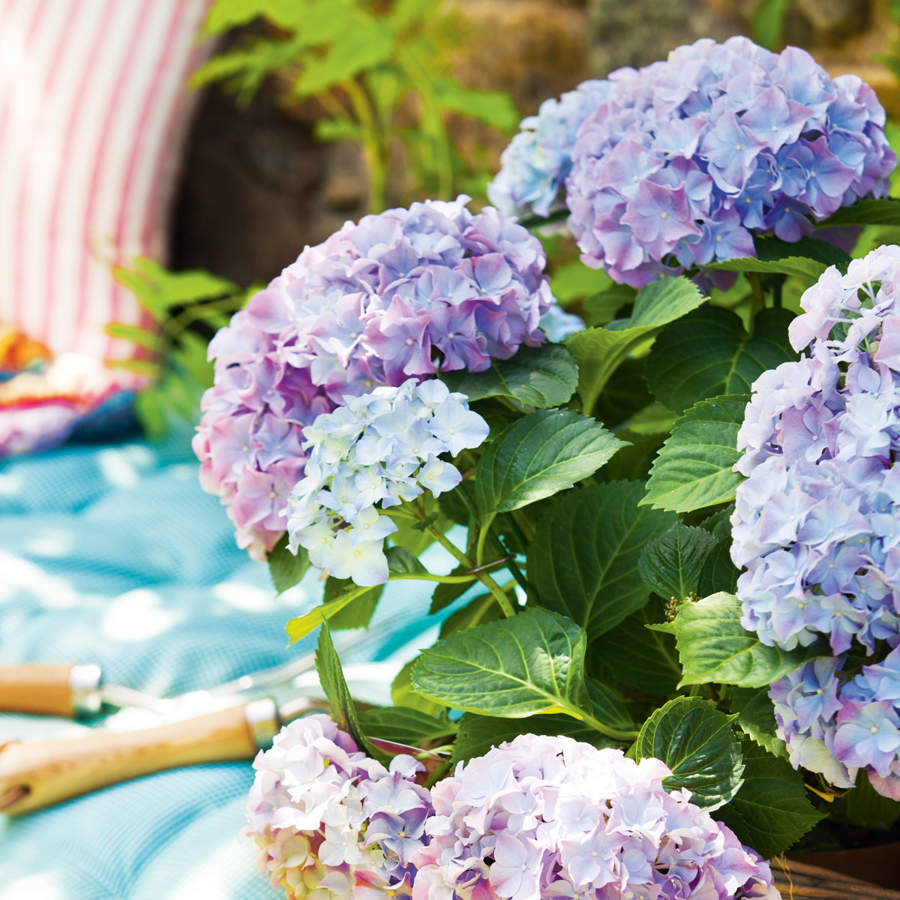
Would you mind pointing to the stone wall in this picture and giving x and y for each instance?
(257, 186)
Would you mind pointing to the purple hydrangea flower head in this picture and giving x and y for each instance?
(677, 164)
(815, 524)
(379, 449)
(552, 817)
(535, 165)
(331, 823)
(398, 295)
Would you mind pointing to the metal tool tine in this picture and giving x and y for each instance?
(273, 676)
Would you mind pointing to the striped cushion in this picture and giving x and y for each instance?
(93, 110)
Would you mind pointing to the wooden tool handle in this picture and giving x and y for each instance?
(46, 689)
(802, 881)
(40, 773)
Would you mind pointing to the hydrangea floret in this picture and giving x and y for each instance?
(553, 817)
(817, 526)
(401, 294)
(329, 822)
(837, 724)
(679, 163)
(379, 449)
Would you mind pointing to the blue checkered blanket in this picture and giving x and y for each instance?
(112, 554)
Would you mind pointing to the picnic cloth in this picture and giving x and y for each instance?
(113, 554)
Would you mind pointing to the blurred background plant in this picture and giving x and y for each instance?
(188, 308)
(380, 70)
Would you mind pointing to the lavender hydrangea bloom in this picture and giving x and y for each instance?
(380, 448)
(806, 706)
(552, 817)
(816, 527)
(675, 165)
(397, 295)
(331, 823)
(535, 165)
(815, 523)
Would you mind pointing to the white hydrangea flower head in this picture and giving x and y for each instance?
(379, 450)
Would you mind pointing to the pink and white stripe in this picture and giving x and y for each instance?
(93, 113)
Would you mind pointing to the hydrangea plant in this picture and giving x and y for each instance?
(668, 519)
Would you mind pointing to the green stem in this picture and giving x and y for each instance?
(777, 290)
(517, 574)
(428, 576)
(512, 565)
(614, 733)
(483, 577)
(372, 143)
(397, 512)
(483, 532)
(758, 297)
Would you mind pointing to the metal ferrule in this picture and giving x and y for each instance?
(84, 685)
(262, 717)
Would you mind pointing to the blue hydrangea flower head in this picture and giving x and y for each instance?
(815, 526)
(838, 724)
(679, 163)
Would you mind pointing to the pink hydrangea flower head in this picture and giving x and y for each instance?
(403, 294)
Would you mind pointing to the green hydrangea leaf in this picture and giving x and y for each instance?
(599, 351)
(285, 568)
(584, 558)
(694, 467)
(528, 664)
(697, 742)
(536, 376)
(730, 361)
(539, 455)
(671, 564)
(714, 647)
(770, 812)
(405, 725)
(343, 710)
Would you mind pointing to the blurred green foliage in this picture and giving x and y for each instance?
(187, 308)
(380, 69)
(767, 24)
